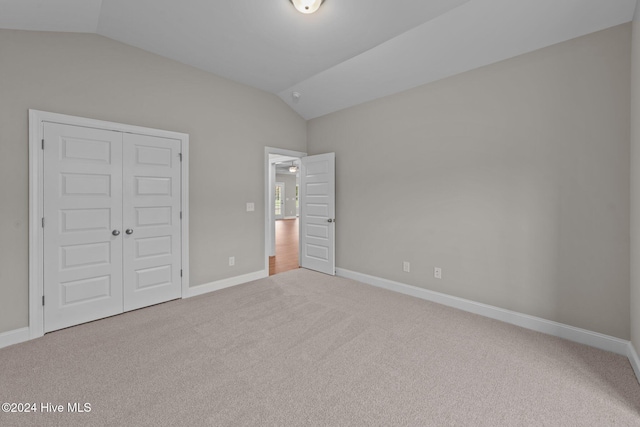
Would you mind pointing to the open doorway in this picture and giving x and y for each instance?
(316, 206)
(282, 209)
(286, 218)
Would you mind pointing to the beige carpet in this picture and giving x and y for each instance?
(302, 348)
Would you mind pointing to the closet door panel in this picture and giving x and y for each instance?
(151, 244)
(82, 225)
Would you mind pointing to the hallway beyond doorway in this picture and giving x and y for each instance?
(286, 247)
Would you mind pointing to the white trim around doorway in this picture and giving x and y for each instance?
(269, 177)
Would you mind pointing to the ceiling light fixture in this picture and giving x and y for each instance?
(307, 6)
(293, 168)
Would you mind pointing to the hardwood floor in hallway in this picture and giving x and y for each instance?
(286, 247)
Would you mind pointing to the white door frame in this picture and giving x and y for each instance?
(269, 190)
(36, 200)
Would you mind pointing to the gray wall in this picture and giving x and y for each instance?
(92, 76)
(290, 193)
(635, 183)
(513, 178)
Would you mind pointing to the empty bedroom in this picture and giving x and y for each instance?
(319, 212)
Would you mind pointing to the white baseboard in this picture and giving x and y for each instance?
(634, 359)
(571, 333)
(226, 283)
(290, 217)
(15, 336)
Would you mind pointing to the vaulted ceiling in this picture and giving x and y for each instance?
(349, 52)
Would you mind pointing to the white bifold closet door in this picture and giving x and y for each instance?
(111, 223)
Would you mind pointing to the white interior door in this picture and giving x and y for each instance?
(82, 225)
(317, 213)
(151, 238)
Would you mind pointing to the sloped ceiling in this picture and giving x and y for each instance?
(349, 52)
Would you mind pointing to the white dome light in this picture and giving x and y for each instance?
(307, 6)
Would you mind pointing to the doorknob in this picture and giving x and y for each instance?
(330, 220)
(129, 231)
(116, 232)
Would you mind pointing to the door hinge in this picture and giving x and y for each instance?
(42, 299)
(43, 143)
(42, 222)
(180, 155)
(180, 273)
(180, 214)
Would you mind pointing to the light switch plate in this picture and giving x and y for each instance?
(250, 207)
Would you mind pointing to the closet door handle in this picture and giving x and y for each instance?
(129, 231)
(116, 232)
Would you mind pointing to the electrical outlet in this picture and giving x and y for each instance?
(232, 261)
(406, 267)
(250, 207)
(437, 273)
